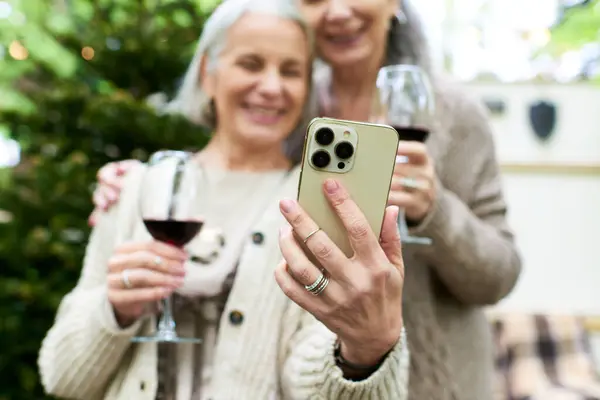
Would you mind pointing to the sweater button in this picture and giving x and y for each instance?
(258, 238)
(142, 386)
(236, 317)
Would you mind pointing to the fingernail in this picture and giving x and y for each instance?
(331, 186)
(287, 205)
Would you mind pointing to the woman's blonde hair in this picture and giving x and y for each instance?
(191, 101)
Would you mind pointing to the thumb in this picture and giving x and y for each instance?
(390, 237)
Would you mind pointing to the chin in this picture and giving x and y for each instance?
(261, 137)
(348, 58)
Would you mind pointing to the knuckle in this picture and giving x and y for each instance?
(322, 251)
(141, 278)
(297, 219)
(339, 200)
(381, 274)
(147, 258)
(303, 275)
(358, 230)
(362, 289)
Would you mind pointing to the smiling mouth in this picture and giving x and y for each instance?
(345, 40)
(264, 114)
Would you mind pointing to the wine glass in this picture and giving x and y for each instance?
(405, 101)
(171, 208)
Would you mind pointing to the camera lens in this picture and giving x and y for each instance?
(321, 159)
(344, 150)
(324, 136)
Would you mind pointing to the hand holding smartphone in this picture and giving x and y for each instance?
(361, 156)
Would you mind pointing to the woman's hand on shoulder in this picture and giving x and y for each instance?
(141, 273)
(110, 180)
(362, 303)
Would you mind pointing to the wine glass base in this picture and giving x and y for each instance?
(425, 241)
(165, 338)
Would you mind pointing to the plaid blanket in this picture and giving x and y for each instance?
(543, 357)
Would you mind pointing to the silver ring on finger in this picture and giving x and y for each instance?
(318, 286)
(125, 279)
(158, 261)
(410, 183)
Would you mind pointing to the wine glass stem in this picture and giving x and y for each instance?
(402, 226)
(166, 325)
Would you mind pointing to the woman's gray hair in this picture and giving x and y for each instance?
(191, 101)
(407, 43)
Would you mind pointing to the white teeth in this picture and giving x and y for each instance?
(343, 39)
(264, 111)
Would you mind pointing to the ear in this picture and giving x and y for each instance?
(206, 79)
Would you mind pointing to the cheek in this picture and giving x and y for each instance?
(230, 94)
(298, 94)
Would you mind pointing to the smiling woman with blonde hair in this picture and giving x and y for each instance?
(263, 338)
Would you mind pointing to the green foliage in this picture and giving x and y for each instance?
(580, 26)
(71, 116)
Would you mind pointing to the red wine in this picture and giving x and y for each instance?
(177, 233)
(412, 134)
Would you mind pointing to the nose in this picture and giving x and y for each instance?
(271, 83)
(338, 10)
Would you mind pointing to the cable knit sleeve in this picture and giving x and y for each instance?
(473, 250)
(309, 370)
(84, 347)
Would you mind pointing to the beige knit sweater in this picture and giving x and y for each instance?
(473, 261)
(278, 352)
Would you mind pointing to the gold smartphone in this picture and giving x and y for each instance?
(361, 156)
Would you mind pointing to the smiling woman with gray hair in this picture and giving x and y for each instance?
(459, 203)
(341, 337)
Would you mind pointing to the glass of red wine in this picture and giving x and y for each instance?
(405, 101)
(171, 208)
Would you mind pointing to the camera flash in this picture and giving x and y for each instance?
(346, 134)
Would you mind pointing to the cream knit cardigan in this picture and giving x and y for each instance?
(279, 351)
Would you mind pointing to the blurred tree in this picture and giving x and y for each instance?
(74, 84)
(578, 29)
(579, 25)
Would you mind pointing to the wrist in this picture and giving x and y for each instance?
(362, 357)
